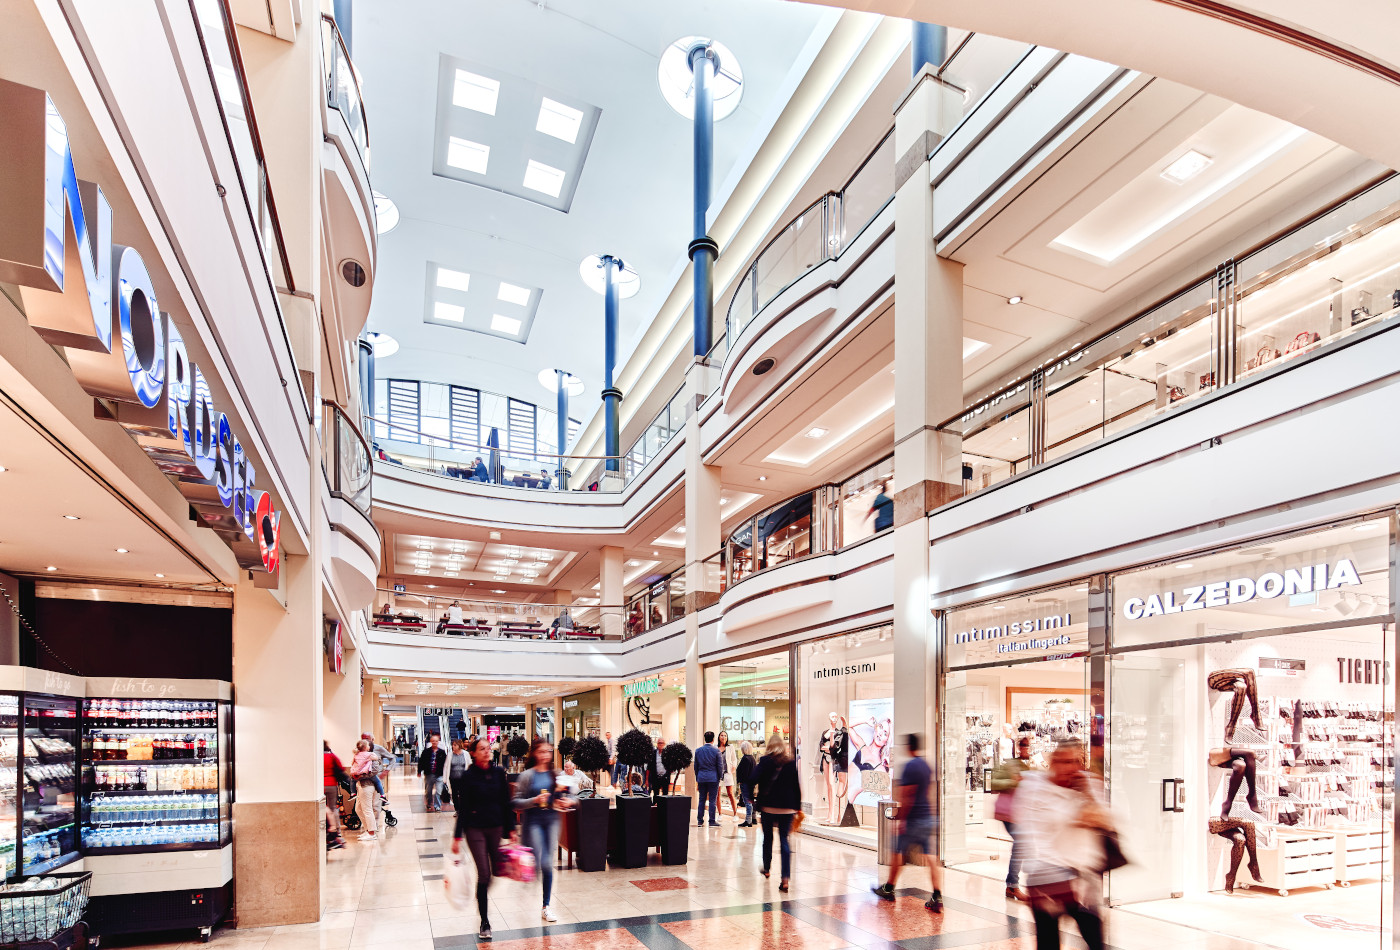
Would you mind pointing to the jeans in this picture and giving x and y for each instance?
(378, 785)
(709, 792)
(485, 847)
(431, 784)
(616, 772)
(746, 799)
(1013, 864)
(784, 826)
(364, 804)
(541, 835)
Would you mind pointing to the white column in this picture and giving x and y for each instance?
(610, 591)
(928, 391)
(702, 493)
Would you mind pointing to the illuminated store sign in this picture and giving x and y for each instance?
(643, 687)
(1241, 590)
(96, 299)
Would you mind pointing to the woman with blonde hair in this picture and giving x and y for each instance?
(726, 778)
(779, 799)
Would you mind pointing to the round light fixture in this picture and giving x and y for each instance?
(1014, 300)
(50, 568)
(591, 270)
(384, 345)
(677, 81)
(549, 379)
(386, 214)
(160, 575)
(123, 551)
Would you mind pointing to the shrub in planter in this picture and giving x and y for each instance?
(676, 757)
(517, 748)
(591, 756)
(634, 750)
(566, 746)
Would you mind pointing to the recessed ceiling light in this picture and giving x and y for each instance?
(763, 478)
(724, 501)
(680, 530)
(421, 571)
(160, 575)
(52, 568)
(1015, 438)
(468, 155)
(505, 324)
(498, 592)
(1183, 567)
(453, 279)
(432, 587)
(72, 518)
(1186, 167)
(559, 120)
(655, 554)
(449, 312)
(633, 563)
(1014, 300)
(1093, 401)
(816, 432)
(478, 93)
(123, 551)
(543, 178)
(509, 561)
(495, 535)
(510, 293)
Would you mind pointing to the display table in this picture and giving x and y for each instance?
(1299, 859)
(1360, 852)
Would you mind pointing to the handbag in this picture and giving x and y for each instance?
(1003, 808)
(797, 819)
(1113, 856)
(518, 863)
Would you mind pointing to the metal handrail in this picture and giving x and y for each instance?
(336, 474)
(332, 99)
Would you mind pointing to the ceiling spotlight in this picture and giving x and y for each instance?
(71, 518)
(1186, 167)
(763, 478)
(816, 432)
(495, 535)
(826, 647)
(432, 587)
(498, 592)
(1344, 605)
(3, 469)
(123, 551)
(160, 575)
(1184, 567)
(1014, 300)
(52, 568)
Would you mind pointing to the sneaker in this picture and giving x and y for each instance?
(369, 836)
(935, 903)
(484, 933)
(548, 915)
(714, 824)
(884, 892)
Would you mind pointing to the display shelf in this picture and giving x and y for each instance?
(1361, 853)
(1299, 859)
(140, 823)
(182, 730)
(105, 792)
(150, 848)
(45, 866)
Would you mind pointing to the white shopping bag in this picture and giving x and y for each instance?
(460, 891)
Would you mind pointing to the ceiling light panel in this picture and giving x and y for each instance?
(510, 134)
(484, 303)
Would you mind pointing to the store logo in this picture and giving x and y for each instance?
(1241, 590)
(96, 299)
(642, 687)
(843, 670)
(1014, 629)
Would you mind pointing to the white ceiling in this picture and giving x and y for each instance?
(633, 197)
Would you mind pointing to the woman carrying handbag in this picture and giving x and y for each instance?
(1005, 779)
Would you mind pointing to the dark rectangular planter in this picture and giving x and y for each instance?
(593, 834)
(633, 831)
(675, 828)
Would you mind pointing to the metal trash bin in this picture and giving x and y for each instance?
(889, 814)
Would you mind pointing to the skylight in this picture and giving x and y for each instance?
(474, 92)
(543, 178)
(468, 156)
(504, 324)
(559, 120)
(453, 279)
(520, 296)
(449, 311)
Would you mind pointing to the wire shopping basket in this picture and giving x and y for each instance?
(38, 908)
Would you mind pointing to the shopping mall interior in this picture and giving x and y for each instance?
(814, 373)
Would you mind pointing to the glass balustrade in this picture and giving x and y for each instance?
(345, 456)
(343, 86)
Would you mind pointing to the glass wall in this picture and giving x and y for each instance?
(859, 517)
(846, 738)
(752, 697)
(582, 715)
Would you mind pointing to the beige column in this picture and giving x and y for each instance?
(610, 591)
(702, 493)
(928, 391)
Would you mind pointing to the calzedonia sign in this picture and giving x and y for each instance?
(1291, 582)
(97, 301)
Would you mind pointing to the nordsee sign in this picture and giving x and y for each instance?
(1309, 579)
(96, 299)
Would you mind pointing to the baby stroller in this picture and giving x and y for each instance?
(350, 819)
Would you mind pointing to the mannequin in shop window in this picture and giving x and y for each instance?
(1243, 685)
(833, 766)
(1241, 765)
(1241, 835)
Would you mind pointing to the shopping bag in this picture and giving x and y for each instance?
(460, 893)
(518, 863)
(1004, 804)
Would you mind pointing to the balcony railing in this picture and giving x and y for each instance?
(343, 86)
(823, 230)
(480, 618)
(345, 456)
(669, 423)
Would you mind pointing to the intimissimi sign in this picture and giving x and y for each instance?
(97, 301)
(1038, 625)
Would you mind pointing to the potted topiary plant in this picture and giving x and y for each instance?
(634, 750)
(566, 747)
(591, 757)
(517, 748)
(674, 819)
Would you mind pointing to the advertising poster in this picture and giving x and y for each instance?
(871, 747)
(493, 733)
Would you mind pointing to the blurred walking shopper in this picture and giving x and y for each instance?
(432, 765)
(743, 775)
(457, 763)
(1061, 819)
(335, 774)
(386, 762)
(779, 799)
(540, 797)
(362, 771)
(916, 827)
(485, 815)
(709, 765)
(1006, 778)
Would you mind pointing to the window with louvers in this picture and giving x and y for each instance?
(465, 418)
(404, 402)
(520, 428)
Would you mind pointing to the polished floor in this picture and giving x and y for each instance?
(390, 893)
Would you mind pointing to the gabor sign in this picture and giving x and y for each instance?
(96, 299)
(1241, 590)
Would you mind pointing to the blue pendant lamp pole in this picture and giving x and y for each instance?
(612, 396)
(561, 406)
(703, 249)
(929, 46)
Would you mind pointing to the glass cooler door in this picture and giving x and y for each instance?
(150, 775)
(9, 771)
(48, 786)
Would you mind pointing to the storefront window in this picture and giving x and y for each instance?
(751, 697)
(1016, 671)
(740, 553)
(785, 532)
(995, 439)
(583, 715)
(846, 729)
